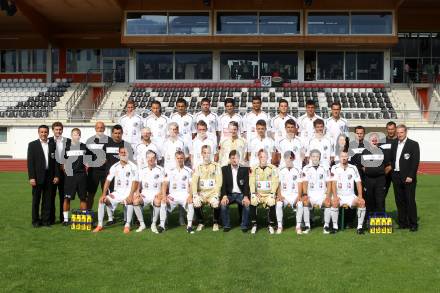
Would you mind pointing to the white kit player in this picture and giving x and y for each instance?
(146, 144)
(132, 124)
(251, 118)
(125, 176)
(305, 122)
(228, 117)
(171, 145)
(289, 143)
(322, 143)
(157, 123)
(202, 138)
(289, 191)
(210, 118)
(316, 190)
(277, 123)
(344, 177)
(336, 125)
(260, 142)
(184, 120)
(151, 193)
(178, 183)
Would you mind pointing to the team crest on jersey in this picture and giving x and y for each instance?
(325, 148)
(350, 176)
(211, 123)
(184, 177)
(135, 124)
(156, 176)
(160, 125)
(321, 176)
(294, 177)
(185, 123)
(127, 174)
(295, 149)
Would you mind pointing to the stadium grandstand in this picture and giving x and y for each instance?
(79, 62)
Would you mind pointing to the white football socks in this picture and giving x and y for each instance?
(66, 216)
(139, 215)
(299, 214)
(327, 216)
(190, 214)
(163, 214)
(129, 210)
(361, 217)
(334, 216)
(279, 213)
(101, 210)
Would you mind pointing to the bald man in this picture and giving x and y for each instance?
(97, 172)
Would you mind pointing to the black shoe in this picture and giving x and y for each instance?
(413, 229)
(110, 223)
(244, 231)
(360, 231)
(333, 231)
(226, 229)
(36, 225)
(160, 229)
(66, 224)
(190, 230)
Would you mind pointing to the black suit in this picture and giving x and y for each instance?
(405, 193)
(234, 197)
(60, 185)
(36, 163)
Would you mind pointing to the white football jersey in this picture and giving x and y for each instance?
(336, 127)
(186, 126)
(290, 178)
(151, 180)
(211, 120)
(179, 180)
(278, 127)
(123, 176)
(250, 124)
(267, 144)
(295, 145)
(317, 178)
(224, 120)
(158, 127)
(131, 126)
(305, 127)
(345, 178)
(325, 146)
(141, 153)
(169, 149)
(196, 149)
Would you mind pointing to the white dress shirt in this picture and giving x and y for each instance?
(45, 146)
(400, 146)
(235, 188)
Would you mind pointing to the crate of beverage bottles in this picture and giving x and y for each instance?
(81, 220)
(380, 223)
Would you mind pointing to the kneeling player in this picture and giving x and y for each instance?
(344, 177)
(125, 177)
(206, 185)
(316, 190)
(151, 193)
(289, 191)
(263, 184)
(178, 183)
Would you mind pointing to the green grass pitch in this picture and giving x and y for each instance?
(59, 260)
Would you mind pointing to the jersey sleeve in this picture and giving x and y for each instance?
(356, 176)
(275, 180)
(111, 173)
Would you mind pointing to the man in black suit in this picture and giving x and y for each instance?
(42, 174)
(386, 147)
(405, 158)
(235, 189)
(60, 144)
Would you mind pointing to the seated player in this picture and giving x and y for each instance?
(316, 190)
(263, 184)
(289, 191)
(178, 184)
(125, 176)
(344, 177)
(206, 185)
(74, 166)
(151, 193)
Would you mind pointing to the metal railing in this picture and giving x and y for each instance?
(77, 95)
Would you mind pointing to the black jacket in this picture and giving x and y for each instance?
(409, 159)
(242, 180)
(75, 158)
(59, 159)
(36, 162)
(374, 160)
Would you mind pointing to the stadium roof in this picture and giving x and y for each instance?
(89, 23)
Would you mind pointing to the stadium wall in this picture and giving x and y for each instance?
(18, 138)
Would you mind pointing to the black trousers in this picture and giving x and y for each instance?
(375, 194)
(271, 215)
(388, 181)
(41, 195)
(60, 188)
(405, 195)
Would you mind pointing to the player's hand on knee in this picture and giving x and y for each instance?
(189, 200)
(224, 201)
(246, 202)
(102, 199)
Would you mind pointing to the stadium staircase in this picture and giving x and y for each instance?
(113, 102)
